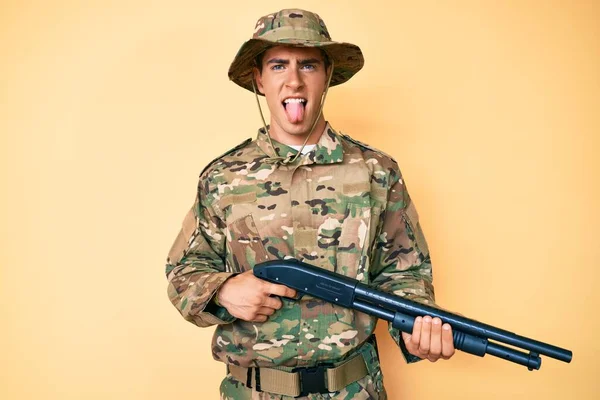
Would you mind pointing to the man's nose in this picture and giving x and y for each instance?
(294, 79)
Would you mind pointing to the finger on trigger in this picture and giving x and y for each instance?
(291, 293)
(280, 290)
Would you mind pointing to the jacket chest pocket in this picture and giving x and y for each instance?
(357, 233)
(244, 244)
(245, 247)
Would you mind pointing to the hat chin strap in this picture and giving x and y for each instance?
(277, 158)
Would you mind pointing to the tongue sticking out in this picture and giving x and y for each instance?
(295, 112)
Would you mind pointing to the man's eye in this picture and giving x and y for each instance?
(277, 67)
(308, 67)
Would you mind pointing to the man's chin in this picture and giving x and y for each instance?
(300, 128)
(297, 129)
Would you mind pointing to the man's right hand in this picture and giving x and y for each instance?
(249, 298)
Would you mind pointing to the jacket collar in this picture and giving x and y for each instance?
(328, 150)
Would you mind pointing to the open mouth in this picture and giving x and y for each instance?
(294, 108)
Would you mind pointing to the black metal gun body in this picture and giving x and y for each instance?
(469, 335)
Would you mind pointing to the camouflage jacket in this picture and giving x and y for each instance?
(343, 207)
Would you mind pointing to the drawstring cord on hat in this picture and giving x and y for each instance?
(277, 158)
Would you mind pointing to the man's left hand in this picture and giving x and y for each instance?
(430, 339)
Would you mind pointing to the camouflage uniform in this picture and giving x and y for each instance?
(343, 207)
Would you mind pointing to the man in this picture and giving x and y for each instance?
(300, 190)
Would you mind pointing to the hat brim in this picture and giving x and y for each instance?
(347, 58)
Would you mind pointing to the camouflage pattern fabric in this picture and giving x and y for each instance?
(343, 207)
(294, 27)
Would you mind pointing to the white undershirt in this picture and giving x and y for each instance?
(306, 148)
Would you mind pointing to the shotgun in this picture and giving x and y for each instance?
(469, 335)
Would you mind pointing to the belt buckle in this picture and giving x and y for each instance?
(313, 379)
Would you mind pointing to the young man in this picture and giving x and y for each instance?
(305, 191)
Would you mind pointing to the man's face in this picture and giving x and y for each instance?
(292, 80)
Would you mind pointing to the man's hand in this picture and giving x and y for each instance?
(430, 339)
(248, 297)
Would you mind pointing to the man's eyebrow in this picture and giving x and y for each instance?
(278, 61)
(309, 61)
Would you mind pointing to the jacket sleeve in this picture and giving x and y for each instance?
(401, 263)
(195, 266)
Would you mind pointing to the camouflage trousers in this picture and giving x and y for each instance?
(370, 387)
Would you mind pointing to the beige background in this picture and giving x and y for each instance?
(110, 109)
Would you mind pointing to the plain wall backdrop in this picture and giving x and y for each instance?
(109, 110)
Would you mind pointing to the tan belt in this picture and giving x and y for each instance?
(302, 381)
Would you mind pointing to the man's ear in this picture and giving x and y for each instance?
(258, 79)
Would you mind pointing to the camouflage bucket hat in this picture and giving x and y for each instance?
(295, 27)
